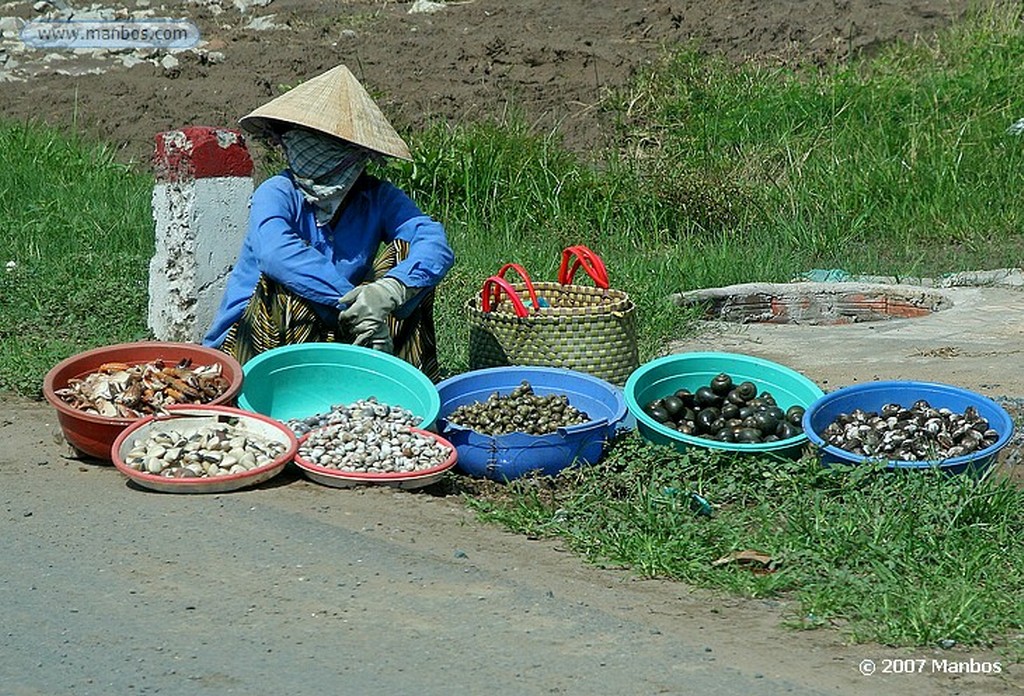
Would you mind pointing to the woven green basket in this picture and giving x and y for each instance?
(588, 329)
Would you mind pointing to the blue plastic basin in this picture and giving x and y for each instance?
(507, 457)
(872, 396)
(303, 380)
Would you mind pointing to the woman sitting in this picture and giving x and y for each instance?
(312, 267)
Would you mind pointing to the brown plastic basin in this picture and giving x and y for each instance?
(94, 435)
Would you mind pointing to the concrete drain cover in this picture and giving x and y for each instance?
(815, 304)
(970, 334)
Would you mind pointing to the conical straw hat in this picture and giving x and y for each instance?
(333, 103)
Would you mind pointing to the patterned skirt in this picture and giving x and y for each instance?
(276, 317)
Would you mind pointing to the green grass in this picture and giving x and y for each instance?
(76, 235)
(908, 558)
(506, 195)
(897, 165)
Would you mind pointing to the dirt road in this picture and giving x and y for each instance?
(302, 589)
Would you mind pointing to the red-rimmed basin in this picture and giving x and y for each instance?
(346, 479)
(185, 416)
(93, 434)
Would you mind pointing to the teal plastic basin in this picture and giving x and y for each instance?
(664, 376)
(303, 380)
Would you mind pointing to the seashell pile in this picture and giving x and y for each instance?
(521, 411)
(363, 409)
(918, 433)
(206, 452)
(372, 446)
(120, 390)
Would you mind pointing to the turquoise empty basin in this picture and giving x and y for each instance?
(304, 380)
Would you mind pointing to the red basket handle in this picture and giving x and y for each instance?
(588, 260)
(526, 279)
(492, 292)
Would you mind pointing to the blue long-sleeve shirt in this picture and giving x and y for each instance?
(321, 264)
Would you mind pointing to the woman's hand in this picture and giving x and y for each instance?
(368, 309)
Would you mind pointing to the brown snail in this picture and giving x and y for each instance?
(521, 410)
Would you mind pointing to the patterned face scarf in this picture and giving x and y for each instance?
(325, 168)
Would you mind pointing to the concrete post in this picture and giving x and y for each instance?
(201, 211)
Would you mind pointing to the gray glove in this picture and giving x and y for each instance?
(369, 306)
(382, 340)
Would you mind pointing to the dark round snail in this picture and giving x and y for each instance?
(795, 414)
(706, 397)
(673, 405)
(747, 390)
(721, 384)
(686, 396)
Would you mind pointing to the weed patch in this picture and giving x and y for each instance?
(902, 558)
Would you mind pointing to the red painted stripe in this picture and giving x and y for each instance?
(200, 152)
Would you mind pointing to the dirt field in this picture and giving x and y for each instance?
(301, 589)
(554, 61)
